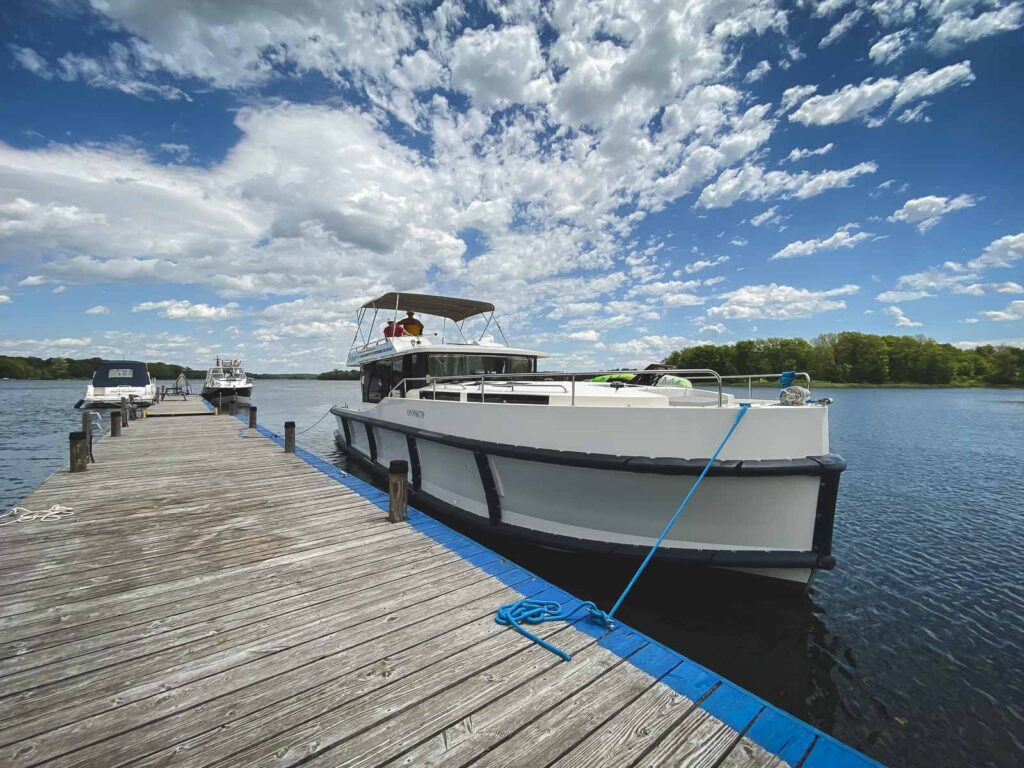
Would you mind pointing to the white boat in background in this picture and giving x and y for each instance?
(226, 381)
(116, 379)
(571, 463)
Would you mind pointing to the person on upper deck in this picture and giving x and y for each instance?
(411, 325)
(391, 329)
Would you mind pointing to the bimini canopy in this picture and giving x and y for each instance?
(120, 373)
(440, 306)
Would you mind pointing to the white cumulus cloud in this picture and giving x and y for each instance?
(753, 182)
(890, 47)
(702, 264)
(902, 321)
(853, 102)
(959, 29)
(1003, 252)
(183, 309)
(1012, 311)
(928, 211)
(844, 237)
(779, 302)
(841, 27)
(803, 153)
(759, 70)
(99, 309)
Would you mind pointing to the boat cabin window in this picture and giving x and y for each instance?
(475, 365)
(375, 380)
(378, 379)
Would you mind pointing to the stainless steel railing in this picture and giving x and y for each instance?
(751, 376)
(553, 377)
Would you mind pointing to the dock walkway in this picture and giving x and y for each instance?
(216, 601)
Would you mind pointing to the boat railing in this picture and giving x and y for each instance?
(403, 386)
(750, 377)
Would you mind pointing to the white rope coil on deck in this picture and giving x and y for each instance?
(25, 515)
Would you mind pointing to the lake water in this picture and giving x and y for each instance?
(911, 650)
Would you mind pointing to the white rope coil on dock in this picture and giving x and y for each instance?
(25, 515)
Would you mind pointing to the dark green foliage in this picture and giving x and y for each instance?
(862, 358)
(339, 375)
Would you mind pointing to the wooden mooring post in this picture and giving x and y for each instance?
(87, 428)
(398, 505)
(289, 437)
(234, 406)
(115, 423)
(79, 448)
(124, 411)
(252, 417)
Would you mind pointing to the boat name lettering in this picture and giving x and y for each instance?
(415, 414)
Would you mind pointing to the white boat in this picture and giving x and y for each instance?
(597, 466)
(226, 381)
(116, 379)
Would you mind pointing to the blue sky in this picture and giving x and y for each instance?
(621, 179)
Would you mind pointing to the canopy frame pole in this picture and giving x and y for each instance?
(444, 328)
(398, 300)
(373, 324)
(486, 326)
(496, 325)
(359, 330)
(458, 327)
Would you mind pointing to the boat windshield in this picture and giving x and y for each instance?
(121, 376)
(476, 365)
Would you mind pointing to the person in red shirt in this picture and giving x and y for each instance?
(392, 330)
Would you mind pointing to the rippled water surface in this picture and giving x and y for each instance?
(911, 650)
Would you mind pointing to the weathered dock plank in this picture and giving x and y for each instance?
(216, 601)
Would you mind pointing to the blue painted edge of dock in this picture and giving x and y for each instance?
(792, 740)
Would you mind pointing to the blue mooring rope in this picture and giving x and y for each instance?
(528, 611)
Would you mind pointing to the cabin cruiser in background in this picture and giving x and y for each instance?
(567, 462)
(226, 381)
(117, 379)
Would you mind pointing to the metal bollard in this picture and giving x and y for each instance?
(398, 504)
(289, 437)
(252, 417)
(79, 448)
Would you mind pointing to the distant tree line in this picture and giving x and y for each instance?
(862, 358)
(339, 374)
(67, 368)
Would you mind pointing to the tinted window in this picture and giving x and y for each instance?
(121, 376)
(374, 381)
(475, 365)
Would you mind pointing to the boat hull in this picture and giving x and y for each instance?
(239, 393)
(110, 397)
(772, 518)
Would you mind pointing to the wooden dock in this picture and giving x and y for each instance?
(216, 601)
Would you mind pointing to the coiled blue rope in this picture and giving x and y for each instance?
(528, 611)
(536, 611)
